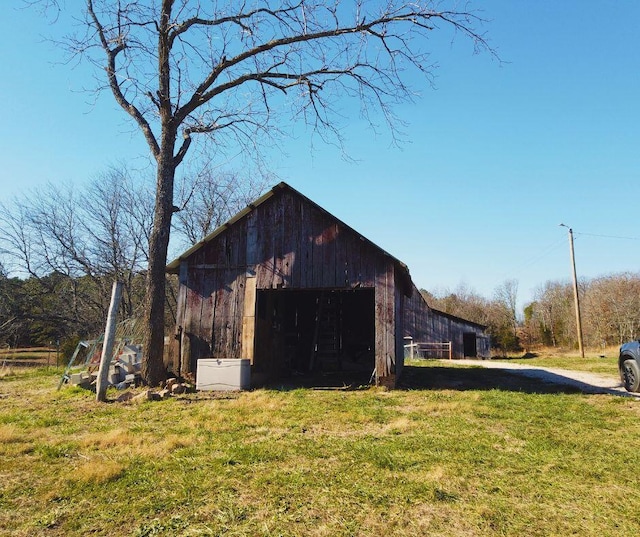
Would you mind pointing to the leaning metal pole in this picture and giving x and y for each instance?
(576, 295)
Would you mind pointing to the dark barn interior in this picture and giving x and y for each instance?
(311, 333)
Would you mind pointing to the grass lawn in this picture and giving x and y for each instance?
(457, 451)
(605, 363)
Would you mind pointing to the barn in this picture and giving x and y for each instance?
(296, 291)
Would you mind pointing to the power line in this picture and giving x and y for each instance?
(534, 259)
(551, 248)
(607, 236)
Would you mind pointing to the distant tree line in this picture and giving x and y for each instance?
(62, 247)
(609, 305)
(610, 312)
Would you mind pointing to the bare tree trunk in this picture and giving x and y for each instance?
(153, 370)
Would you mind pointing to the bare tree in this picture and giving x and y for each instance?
(207, 200)
(230, 69)
(553, 312)
(499, 315)
(89, 236)
(612, 309)
(462, 302)
(506, 294)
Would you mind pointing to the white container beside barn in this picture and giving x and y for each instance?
(223, 374)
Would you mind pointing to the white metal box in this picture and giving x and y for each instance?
(225, 374)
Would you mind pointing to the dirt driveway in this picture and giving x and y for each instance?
(503, 375)
(580, 380)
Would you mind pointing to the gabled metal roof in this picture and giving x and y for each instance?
(174, 266)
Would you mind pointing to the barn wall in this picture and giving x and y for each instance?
(295, 245)
(399, 305)
(424, 324)
(284, 242)
(385, 309)
(211, 299)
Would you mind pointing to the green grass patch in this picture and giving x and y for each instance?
(471, 456)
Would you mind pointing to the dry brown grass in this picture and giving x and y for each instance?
(7, 371)
(96, 471)
(9, 434)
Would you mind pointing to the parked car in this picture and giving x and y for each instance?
(629, 365)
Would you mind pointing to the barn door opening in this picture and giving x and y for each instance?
(309, 334)
(469, 345)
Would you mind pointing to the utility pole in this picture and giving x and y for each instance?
(576, 295)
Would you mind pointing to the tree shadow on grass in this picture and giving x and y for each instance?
(430, 378)
(443, 377)
(476, 378)
(336, 380)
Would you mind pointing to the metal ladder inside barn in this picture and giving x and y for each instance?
(327, 346)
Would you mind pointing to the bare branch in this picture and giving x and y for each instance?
(113, 47)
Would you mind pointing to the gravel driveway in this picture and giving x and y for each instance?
(585, 382)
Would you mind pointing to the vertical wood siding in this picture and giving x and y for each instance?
(426, 325)
(399, 333)
(284, 242)
(385, 324)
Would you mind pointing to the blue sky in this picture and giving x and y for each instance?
(497, 155)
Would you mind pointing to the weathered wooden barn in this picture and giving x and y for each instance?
(296, 291)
